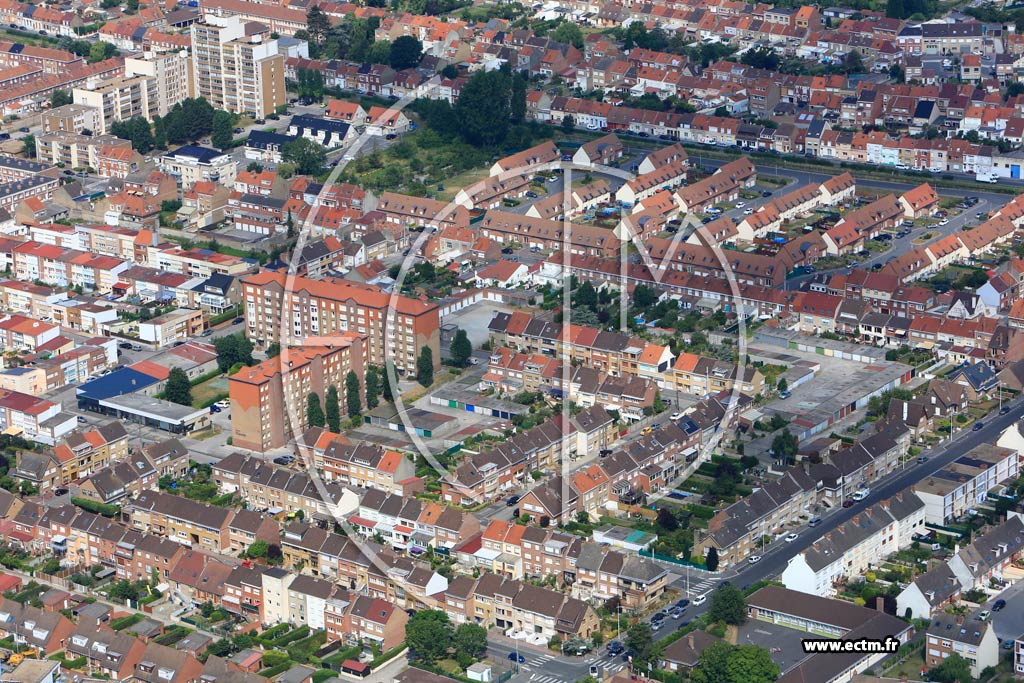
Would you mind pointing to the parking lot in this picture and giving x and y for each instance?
(1009, 622)
(475, 319)
(784, 644)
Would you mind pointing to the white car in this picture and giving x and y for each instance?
(792, 537)
(223, 404)
(748, 212)
(754, 559)
(944, 221)
(676, 416)
(699, 600)
(740, 205)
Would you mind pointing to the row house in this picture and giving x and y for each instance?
(609, 352)
(966, 482)
(736, 531)
(67, 267)
(548, 235)
(856, 545)
(269, 487)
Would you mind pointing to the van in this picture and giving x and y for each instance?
(814, 522)
(861, 494)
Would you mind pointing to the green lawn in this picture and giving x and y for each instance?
(211, 390)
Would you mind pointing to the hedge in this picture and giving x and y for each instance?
(389, 655)
(95, 507)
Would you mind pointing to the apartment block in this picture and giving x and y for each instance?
(965, 483)
(236, 66)
(268, 401)
(75, 150)
(120, 98)
(72, 118)
(397, 327)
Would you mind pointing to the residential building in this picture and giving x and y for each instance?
(268, 401)
(236, 65)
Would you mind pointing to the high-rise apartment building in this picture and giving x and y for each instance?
(236, 66)
(294, 310)
(268, 401)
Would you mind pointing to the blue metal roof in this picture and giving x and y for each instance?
(121, 381)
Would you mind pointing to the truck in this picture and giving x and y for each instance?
(987, 177)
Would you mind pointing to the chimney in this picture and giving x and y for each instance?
(959, 618)
(880, 603)
(689, 640)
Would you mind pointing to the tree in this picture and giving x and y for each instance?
(386, 389)
(379, 52)
(483, 110)
(517, 106)
(310, 85)
(724, 663)
(785, 445)
(352, 400)
(332, 409)
(314, 411)
(470, 639)
(568, 32)
(100, 51)
(178, 388)
(853, 63)
(318, 25)
(425, 367)
(428, 634)
(728, 605)
(568, 123)
(783, 385)
(954, 669)
(405, 53)
(450, 71)
(372, 386)
(640, 642)
(257, 549)
(159, 133)
(308, 156)
(461, 349)
(894, 9)
(273, 350)
(123, 591)
(711, 559)
(59, 98)
(666, 520)
(28, 146)
(222, 136)
(713, 664)
(232, 349)
(896, 74)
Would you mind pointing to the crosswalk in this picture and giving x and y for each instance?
(536, 662)
(701, 587)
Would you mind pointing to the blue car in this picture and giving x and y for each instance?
(513, 657)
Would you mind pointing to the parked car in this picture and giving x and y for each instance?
(224, 403)
(998, 605)
(513, 657)
(700, 600)
(766, 193)
(511, 502)
(847, 503)
(921, 459)
(983, 615)
(792, 537)
(214, 408)
(60, 492)
(281, 461)
(814, 522)
(682, 603)
(977, 426)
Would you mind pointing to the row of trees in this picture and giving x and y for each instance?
(188, 121)
(328, 414)
(353, 39)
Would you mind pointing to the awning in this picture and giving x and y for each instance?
(359, 521)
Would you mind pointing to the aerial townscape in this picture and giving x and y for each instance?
(476, 341)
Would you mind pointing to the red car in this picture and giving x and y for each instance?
(847, 503)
